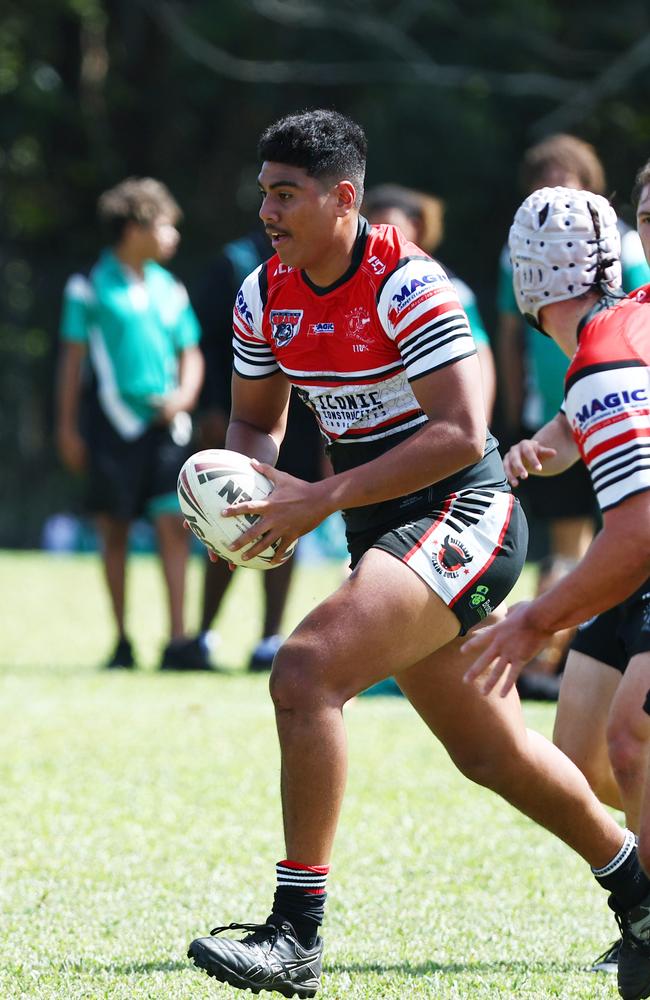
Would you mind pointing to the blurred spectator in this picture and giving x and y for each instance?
(642, 198)
(531, 370)
(420, 218)
(130, 374)
(302, 451)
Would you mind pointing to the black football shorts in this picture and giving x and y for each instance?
(470, 550)
(615, 636)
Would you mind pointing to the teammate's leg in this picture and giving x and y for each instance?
(588, 687)
(628, 735)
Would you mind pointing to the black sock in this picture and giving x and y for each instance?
(623, 876)
(300, 898)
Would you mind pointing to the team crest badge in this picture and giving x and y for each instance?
(451, 558)
(285, 324)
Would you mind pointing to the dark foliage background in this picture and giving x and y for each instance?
(450, 93)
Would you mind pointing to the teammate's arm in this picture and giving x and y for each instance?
(550, 451)
(616, 564)
(70, 444)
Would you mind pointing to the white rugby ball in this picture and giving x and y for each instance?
(215, 479)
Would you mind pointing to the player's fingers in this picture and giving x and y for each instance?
(256, 507)
(510, 681)
(497, 669)
(479, 665)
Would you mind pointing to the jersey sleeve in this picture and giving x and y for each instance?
(253, 357)
(610, 416)
(418, 308)
(77, 299)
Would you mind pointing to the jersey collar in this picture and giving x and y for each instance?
(606, 301)
(358, 251)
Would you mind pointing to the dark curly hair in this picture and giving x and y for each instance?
(325, 143)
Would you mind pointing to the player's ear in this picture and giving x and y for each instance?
(346, 196)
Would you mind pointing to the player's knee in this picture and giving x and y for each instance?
(298, 681)
(627, 755)
(484, 768)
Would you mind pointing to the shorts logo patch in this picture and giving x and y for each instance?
(285, 324)
(451, 558)
(479, 600)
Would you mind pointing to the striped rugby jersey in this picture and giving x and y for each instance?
(352, 350)
(607, 392)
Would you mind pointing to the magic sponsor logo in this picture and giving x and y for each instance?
(243, 308)
(415, 286)
(320, 330)
(612, 401)
(285, 324)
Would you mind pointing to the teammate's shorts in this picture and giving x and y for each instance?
(129, 478)
(615, 636)
(570, 494)
(470, 551)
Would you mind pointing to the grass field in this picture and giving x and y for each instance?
(137, 811)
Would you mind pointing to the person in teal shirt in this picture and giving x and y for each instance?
(130, 374)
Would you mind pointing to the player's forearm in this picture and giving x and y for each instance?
(430, 455)
(557, 434)
(611, 570)
(251, 441)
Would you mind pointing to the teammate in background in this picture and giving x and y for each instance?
(129, 327)
(370, 331)
(302, 451)
(420, 218)
(531, 377)
(598, 724)
(565, 248)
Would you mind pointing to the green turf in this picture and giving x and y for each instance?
(137, 811)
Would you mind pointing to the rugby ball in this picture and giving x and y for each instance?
(215, 479)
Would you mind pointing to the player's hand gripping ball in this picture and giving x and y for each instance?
(215, 479)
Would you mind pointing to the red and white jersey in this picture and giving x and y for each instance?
(351, 348)
(607, 393)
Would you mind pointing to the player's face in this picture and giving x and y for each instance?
(299, 214)
(160, 238)
(643, 220)
(395, 217)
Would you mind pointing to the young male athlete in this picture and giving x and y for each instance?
(369, 330)
(565, 250)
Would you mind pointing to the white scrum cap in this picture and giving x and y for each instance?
(562, 243)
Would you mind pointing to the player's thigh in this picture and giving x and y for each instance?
(586, 695)
(627, 717)
(382, 619)
(480, 733)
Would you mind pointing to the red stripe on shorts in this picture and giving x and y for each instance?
(420, 542)
(495, 552)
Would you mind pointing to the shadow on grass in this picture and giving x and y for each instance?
(431, 968)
